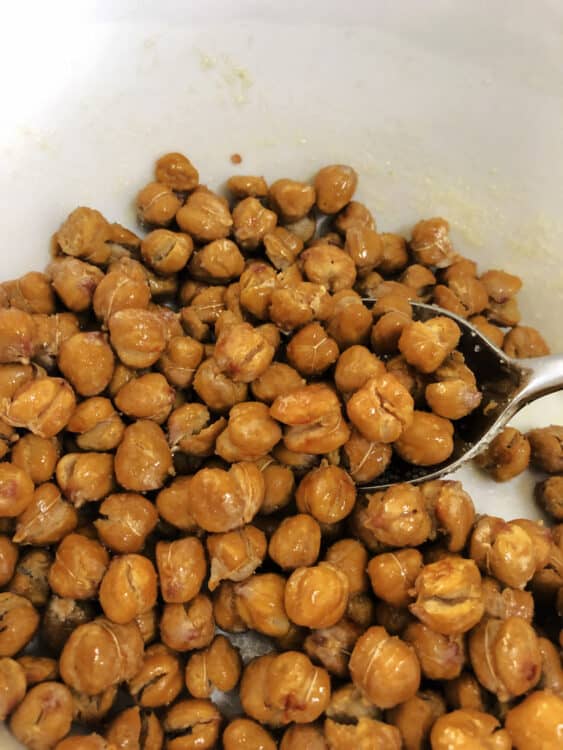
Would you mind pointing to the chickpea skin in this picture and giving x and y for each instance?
(316, 597)
(296, 542)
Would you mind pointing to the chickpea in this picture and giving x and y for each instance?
(18, 622)
(316, 597)
(547, 448)
(332, 646)
(143, 459)
(31, 293)
(492, 332)
(365, 459)
(329, 266)
(8, 559)
(37, 456)
(244, 733)
(392, 575)
(537, 719)
(303, 737)
(85, 234)
(188, 626)
(296, 542)
(16, 490)
(296, 688)
(452, 510)
(218, 667)
(13, 685)
(503, 314)
(128, 588)
(225, 609)
(97, 424)
(328, 493)
(252, 222)
(146, 397)
(441, 657)
(191, 431)
(275, 381)
(355, 367)
(84, 742)
(504, 549)
(354, 214)
(449, 595)
(180, 360)
(38, 668)
(507, 455)
(242, 353)
(74, 282)
(217, 390)
(427, 441)
(311, 351)
(16, 336)
(282, 247)
(506, 602)
(87, 361)
(92, 709)
(465, 692)
(245, 186)
(157, 205)
(415, 717)
(549, 496)
(222, 500)
(85, 477)
(260, 604)
(192, 724)
(135, 728)
(121, 376)
(182, 568)
(43, 717)
(257, 283)
(426, 345)
(205, 216)
(118, 290)
(43, 406)
(176, 172)
(301, 303)
(79, 566)
(159, 680)
(379, 735)
(14, 375)
(30, 577)
(365, 247)
(431, 243)
(250, 433)
(335, 186)
(166, 252)
(381, 409)
(376, 650)
(173, 504)
(505, 656)
(398, 517)
(466, 727)
(138, 336)
(279, 484)
(351, 557)
(292, 200)
(501, 286)
(452, 399)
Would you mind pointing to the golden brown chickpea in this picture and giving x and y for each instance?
(138, 336)
(217, 667)
(16, 490)
(468, 728)
(92, 709)
(253, 686)
(376, 650)
(43, 406)
(225, 610)
(355, 214)
(242, 353)
(37, 456)
(191, 431)
(328, 493)
(14, 375)
(296, 542)
(282, 247)
(30, 577)
(332, 646)
(219, 261)
(504, 549)
(180, 360)
(335, 186)
(244, 733)
(506, 456)
(351, 557)
(188, 626)
(367, 732)
(426, 345)
(397, 516)
(355, 367)
(205, 216)
(159, 680)
(16, 336)
(392, 575)
(420, 279)
(31, 293)
(260, 604)
(87, 361)
(38, 668)
(536, 722)
(279, 483)
(257, 283)
(441, 657)
(166, 252)
(222, 501)
(143, 459)
(547, 448)
(157, 204)
(316, 597)
(301, 303)
(428, 440)
(505, 656)
(329, 266)
(135, 728)
(431, 243)
(275, 381)
(43, 717)
(192, 725)
(79, 566)
(217, 390)
(365, 459)
(365, 247)
(74, 282)
(449, 595)
(182, 568)
(303, 737)
(85, 477)
(465, 692)
(177, 172)
(415, 717)
(548, 494)
(18, 622)
(173, 504)
(452, 399)
(126, 520)
(128, 588)
(503, 314)
(118, 290)
(245, 186)
(146, 397)
(84, 742)
(501, 286)
(506, 602)
(250, 434)
(311, 351)
(8, 559)
(492, 332)
(292, 200)
(121, 375)
(85, 234)
(97, 425)
(452, 511)
(13, 685)
(552, 670)
(296, 687)
(381, 409)
(251, 222)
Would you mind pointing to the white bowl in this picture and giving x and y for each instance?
(450, 109)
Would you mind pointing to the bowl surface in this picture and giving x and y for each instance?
(450, 109)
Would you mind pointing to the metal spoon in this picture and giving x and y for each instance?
(507, 385)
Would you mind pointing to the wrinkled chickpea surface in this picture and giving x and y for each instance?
(186, 419)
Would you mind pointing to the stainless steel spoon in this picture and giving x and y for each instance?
(507, 385)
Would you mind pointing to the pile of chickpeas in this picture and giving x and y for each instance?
(186, 420)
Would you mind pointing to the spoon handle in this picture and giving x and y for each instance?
(544, 375)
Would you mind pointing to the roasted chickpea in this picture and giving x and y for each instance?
(547, 448)
(441, 657)
(427, 441)
(504, 549)
(397, 516)
(74, 282)
(182, 568)
(79, 566)
(426, 345)
(38, 668)
(128, 588)
(173, 504)
(524, 341)
(415, 717)
(549, 495)
(135, 728)
(355, 214)
(14, 375)
(18, 622)
(335, 186)
(260, 604)
(138, 336)
(301, 303)
(296, 688)
(13, 685)
(87, 361)
(126, 520)
(43, 717)
(218, 667)
(431, 243)
(452, 510)
(166, 252)
(351, 557)
(252, 222)
(327, 493)
(8, 559)
(303, 737)
(507, 455)
(143, 459)
(332, 646)
(292, 200)
(31, 293)
(392, 575)
(492, 332)
(159, 680)
(279, 484)
(205, 216)
(43, 406)
(506, 602)
(242, 353)
(225, 609)
(84, 742)
(218, 391)
(97, 425)
(275, 381)
(121, 288)
(503, 313)
(449, 595)
(30, 577)
(180, 360)
(365, 459)
(329, 266)
(537, 719)
(465, 692)
(157, 204)
(146, 397)
(244, 186)
(311, 351)
(250, 434)
(381, 409)
(316, 597)
(355, 367)
(501, 286)
(16, 490)
(282, 247)
(188, 626)
(192, 724)
(244, 733)
(16, 336)
(85, 477)
(466, 727)
(376, 650)
(177, 172)
(37, 456)
(296, 542)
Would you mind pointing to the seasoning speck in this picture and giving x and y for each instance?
(236, 158)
